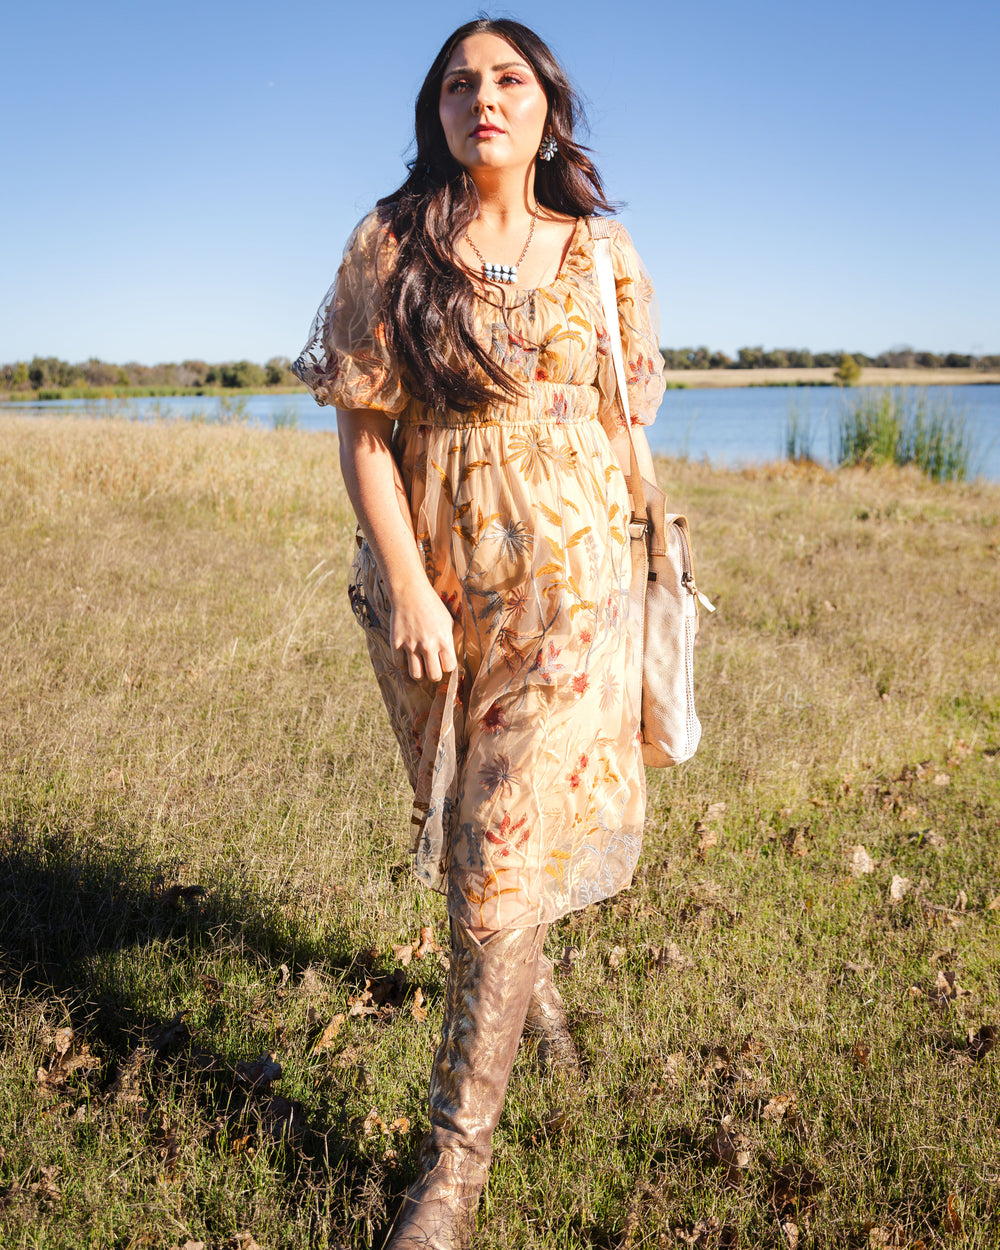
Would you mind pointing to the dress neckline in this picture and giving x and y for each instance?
(525, 292)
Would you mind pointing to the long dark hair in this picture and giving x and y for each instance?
(428, 298)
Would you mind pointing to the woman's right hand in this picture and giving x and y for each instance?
(421, 633)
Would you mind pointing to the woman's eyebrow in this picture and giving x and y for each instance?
(462, 69)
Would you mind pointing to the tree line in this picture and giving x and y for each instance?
(51, 373)
(802, 358)
(48, 373)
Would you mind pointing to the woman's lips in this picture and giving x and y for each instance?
(481, 132)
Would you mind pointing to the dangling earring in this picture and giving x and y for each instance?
(548, 149)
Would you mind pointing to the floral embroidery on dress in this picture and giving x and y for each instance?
(529, 789)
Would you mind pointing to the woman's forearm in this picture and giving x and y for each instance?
(378, 498)
(421, 627)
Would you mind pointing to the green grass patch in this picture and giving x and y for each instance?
(203, 864)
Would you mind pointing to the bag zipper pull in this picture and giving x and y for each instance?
(687, 581)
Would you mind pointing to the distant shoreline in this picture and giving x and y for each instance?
(676, 378)
(699, 378)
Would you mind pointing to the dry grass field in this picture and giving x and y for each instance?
(798, 377)
(218, 995)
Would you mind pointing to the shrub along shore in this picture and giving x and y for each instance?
(219, 986)
(677, 379)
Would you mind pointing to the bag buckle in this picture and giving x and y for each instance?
(638, 527)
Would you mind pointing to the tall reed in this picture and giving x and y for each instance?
(798, 433)
(900, 426)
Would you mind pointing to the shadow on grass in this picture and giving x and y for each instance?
(70, 902)
(65, 900)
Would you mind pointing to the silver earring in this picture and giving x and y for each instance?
(548, 149)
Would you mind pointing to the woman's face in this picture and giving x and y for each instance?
(493, 108)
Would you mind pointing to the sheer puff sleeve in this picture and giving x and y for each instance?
(639, 324)
(346, 362)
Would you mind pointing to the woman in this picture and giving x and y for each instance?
(464, 347)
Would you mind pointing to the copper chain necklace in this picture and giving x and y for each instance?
(503, 273)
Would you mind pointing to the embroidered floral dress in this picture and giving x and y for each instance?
(529, 790)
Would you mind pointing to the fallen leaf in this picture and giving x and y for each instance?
(173, 1032)
(993, 904)
(929, 837)
(47, 1188)
(717, 1066)
(881, 1238)
(778, 1107)
(259, 1074)
(714, 811)
(793, 1188)
(707, 838)
(361, 1004)
(791, 1231)
(427, 944)
(570, 957)
(372, 1123)
(62, 1041)
(947, 989)
(402, 954)
(898, 887)
(325, 1040)
(795, 842)
(245, 1241)
(71, 1055)
(674, 1067)
(313, 981)
(400, 1125)
(961, 901)
(615, 956)
(942, 779)
(182, 894)
(671, 956)
(860, 1055)
(729, 1147)
(283, 1118)
(860, 861)
(982, 1041)
(205, 1062)
(701, 1233)
(418, 1008)
(952, 1223)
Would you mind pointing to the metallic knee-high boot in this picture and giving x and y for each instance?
(489, 985)
(546, 1020)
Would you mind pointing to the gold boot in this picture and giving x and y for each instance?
(489, 985)
(546, 1020)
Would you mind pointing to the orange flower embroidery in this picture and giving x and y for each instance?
(504, 838)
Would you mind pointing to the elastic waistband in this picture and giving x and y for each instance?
(576, 405)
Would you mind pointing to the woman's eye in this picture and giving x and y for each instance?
(456, 85)
(510, 80)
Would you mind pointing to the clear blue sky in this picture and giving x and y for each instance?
(180, 178)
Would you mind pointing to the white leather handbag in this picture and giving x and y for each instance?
(663, 599)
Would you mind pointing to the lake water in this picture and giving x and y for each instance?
(731, 426)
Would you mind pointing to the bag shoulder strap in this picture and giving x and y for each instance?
(600, 232)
